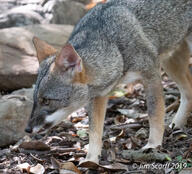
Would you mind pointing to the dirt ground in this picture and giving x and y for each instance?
(125, 132)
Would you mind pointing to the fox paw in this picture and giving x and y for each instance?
(89, 163)
(150, 146)
(90, 159)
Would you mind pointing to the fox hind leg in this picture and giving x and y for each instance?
(176, 66)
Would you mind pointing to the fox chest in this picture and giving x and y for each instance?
(130, 77)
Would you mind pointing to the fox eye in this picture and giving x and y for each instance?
(44, 101)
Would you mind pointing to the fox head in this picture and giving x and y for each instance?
(61, 87)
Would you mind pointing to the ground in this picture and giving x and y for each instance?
(125, 132)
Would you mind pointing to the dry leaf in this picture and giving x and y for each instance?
(65, 168)
(129, 113)
(24, 167)
(115, 167)
(70, 167)
(129, 90)
(112, 167)
(38, 169)
(35, 145)
(88, 164)
(62, 171)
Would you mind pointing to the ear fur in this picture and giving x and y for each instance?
(68, 59)
(43, 49)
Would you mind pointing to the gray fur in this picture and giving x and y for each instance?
(137, 31)
(113, 39)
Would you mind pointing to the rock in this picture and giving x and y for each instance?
(18, 62)
(7, 4)
(24, 2)
(26, 92)
(20, 16)
(83, 1)
(23, 12)
(64, 11)
(15, 109)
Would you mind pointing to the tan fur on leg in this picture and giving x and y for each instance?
(96, 128)
(176, 66)
(156, 111)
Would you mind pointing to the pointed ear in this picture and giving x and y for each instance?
(43, 49)
(68, 58)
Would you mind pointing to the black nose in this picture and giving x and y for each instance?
(28, 129)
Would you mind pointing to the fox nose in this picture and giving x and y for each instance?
(28, 129)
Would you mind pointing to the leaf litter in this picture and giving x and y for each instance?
(125, 133)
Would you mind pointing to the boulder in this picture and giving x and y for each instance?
(83, 1)
(20, 16)
(18, 62)
(23, 12)
(64, 11)
(24, 2)
(15, 109)
(7, 4)
(20, 13)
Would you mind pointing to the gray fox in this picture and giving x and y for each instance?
(119, 41)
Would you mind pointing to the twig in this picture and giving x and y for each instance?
(174, 106)
(63, 150)
(40, 160)
(126, 125)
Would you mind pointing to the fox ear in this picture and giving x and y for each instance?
(68, 58)
(43, 49)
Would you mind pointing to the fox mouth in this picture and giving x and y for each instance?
(49, 121)
(43, 129)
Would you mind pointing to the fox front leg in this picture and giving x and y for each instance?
(156, 112)
(97, 110)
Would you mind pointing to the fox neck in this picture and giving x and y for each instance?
(103, 68)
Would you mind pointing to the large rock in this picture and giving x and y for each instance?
(20, 16)
(20, 13)
(15, 109)
(18, 62)
(7, 4)
(24, 12)
(64, 11)
(83, 1)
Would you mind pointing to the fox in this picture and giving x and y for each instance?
(115, 42)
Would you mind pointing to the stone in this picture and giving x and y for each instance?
(24, 2)
(23, 12)
(20, 16)
(15, 110)
(83, 1)
(6, 5)
(64, 11)
(18, 62)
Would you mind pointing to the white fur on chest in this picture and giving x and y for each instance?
(131, 77)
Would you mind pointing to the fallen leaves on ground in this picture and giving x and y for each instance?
(25, 167)
(126, 131)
